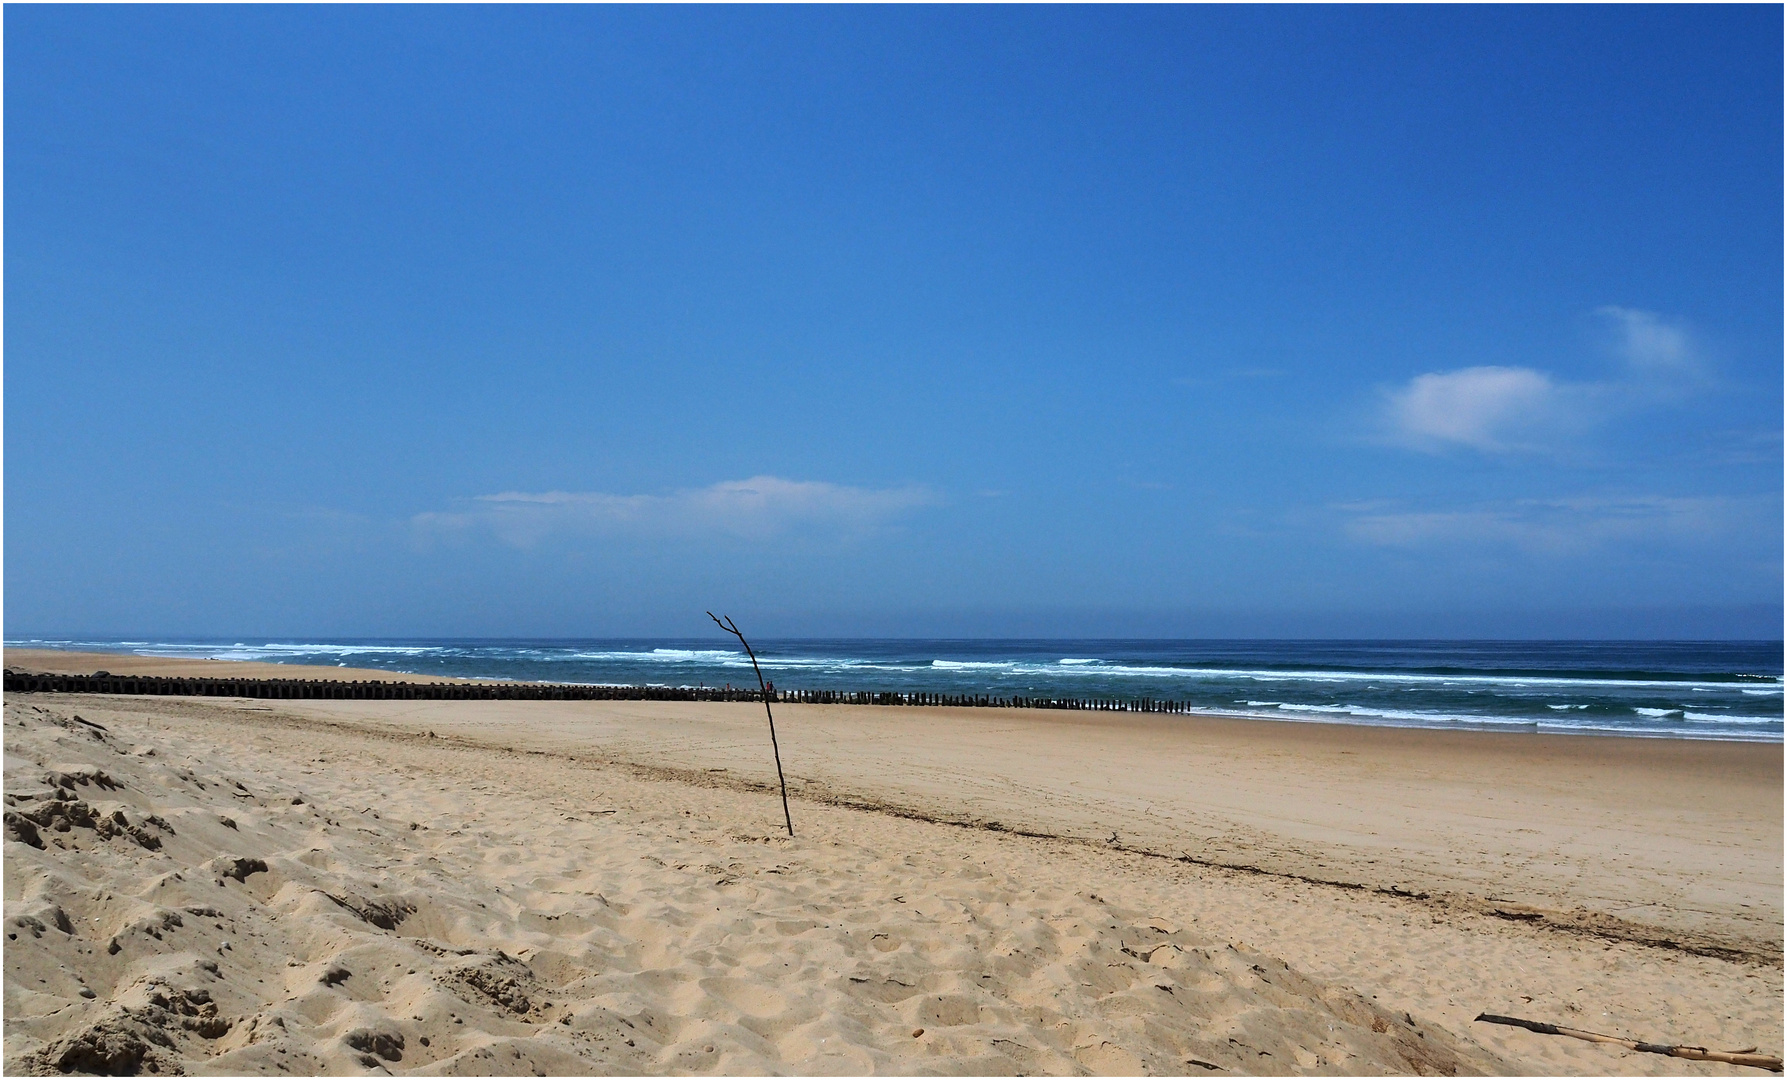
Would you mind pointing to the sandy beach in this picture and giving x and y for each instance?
(237, 886)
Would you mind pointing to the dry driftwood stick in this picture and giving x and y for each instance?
(1692, 1053)
(732, 629)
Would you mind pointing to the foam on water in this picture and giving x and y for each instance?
(1634, 688)
(1726, 718)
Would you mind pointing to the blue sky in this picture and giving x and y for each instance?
(884, 321)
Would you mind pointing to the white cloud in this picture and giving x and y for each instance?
(759, 507)
(1549, 526)
(1488, 408)
(1648, 343)
(1522, 409)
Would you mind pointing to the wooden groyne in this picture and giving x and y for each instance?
(381, 690)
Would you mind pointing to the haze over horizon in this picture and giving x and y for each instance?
(1016, 322)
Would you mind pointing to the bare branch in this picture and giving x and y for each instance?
(1692, 1053)
(732, 628)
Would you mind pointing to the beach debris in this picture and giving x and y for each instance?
(732, 628)
(1692, 1053)
(59, 811)
(236, 866)
(131, 1035)
(31, 923)
(386, 1043)
(22, 829)
(119, 1046)
(500, 980)
(384, 914)
(192, 1009)
(72, 776)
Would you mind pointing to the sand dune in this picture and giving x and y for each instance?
(229, 887)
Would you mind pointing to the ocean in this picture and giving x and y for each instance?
(1687, 690)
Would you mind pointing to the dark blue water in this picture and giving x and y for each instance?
(1692, 690)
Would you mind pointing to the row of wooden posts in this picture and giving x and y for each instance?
(983, 701)
(371, 690)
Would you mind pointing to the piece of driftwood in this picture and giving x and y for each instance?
(1692, 1053)
(732, 628)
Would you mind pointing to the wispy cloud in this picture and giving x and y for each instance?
(1647, 343)
(1522, 409)
(1549, 526)
(1486, 408)
(757, 508)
